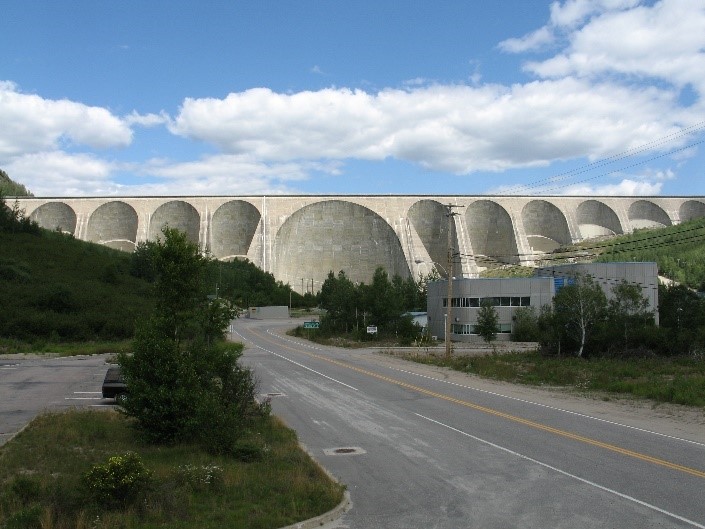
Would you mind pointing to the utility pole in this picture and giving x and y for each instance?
(449, 273)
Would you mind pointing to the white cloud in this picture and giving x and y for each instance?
(570, 13)
(147, 120)
(32, 124)
(459, 129)
(664, 41)
(626, 187)
(532, 41)
(57, 173)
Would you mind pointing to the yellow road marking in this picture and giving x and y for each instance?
(514, 418)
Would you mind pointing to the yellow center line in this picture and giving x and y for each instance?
(509, 417)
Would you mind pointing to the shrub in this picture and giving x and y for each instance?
(119, 482)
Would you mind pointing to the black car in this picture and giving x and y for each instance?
(114, 386)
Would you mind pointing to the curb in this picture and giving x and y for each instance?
(332, 515)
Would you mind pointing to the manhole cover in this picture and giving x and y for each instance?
(344, 451)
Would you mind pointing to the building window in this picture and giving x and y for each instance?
(501, 301)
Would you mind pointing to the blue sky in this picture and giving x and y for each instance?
(587, 97)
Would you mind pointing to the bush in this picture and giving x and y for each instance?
(120, 482)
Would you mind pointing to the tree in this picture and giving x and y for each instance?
(487, 324)
(525, 327)
(629, 311)
(578, 308)
(682, 316)
(184, 383)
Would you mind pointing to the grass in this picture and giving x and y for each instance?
(42, 469)
(44, 347)
(678, 380)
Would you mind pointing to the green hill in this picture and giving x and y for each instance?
(56, 288)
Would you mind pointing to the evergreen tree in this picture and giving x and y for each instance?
(487, 325)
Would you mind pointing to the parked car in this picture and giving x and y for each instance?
(114, 386)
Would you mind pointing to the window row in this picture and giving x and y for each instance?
(464, 328)
(503, 301)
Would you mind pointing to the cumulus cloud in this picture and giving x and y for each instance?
(460, 129)
(665, 41)
(32, 124)
(56, 173)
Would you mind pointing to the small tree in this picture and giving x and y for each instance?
(184, 384)
(578, 308)
(629, 311)
(525, 326)
(487, 325)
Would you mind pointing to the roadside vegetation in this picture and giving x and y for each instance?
(65, 471)
(677, 380)
(193, 445)
(352, 310)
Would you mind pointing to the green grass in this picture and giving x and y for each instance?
(44, 347)
(678, 380)
(41, 479)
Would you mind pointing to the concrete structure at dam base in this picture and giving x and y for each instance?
(300, 239)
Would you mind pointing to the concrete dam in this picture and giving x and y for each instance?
(300, 239)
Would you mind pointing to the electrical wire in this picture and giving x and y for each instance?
(628, 153)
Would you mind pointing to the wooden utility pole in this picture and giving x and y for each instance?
(449, 273)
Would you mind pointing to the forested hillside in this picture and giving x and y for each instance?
(9, 188)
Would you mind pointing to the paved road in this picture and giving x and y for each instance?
(427, 448)
(29, 386)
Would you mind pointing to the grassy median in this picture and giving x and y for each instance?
(43, 478)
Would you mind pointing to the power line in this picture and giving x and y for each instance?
(628, 153)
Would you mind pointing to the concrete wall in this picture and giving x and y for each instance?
(274, 312)
(301, 238)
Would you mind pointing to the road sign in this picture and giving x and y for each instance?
(312, 324)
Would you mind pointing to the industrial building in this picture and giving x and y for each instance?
(508, 294)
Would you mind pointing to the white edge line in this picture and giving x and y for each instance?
(486, 392)
(298, 364)
(567, 474)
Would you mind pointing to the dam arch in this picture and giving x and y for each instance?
(597, 219)
(55, 216)
(546, 226)
(428, 217)
(176, 214)
(491, 232)
(233, 227)
(113, 224)
(334, 235)
(646, 214)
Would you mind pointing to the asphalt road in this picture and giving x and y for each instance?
(33, 385)
(422, 447)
